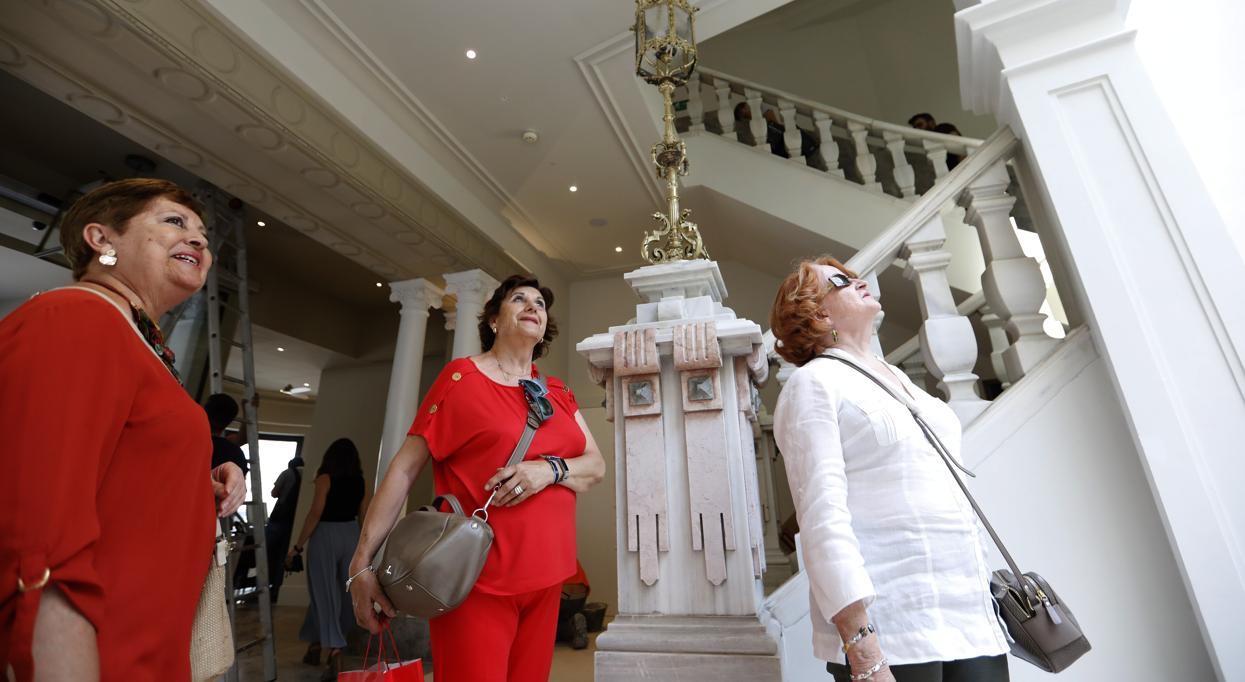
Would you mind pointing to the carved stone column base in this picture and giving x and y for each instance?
(687, 649)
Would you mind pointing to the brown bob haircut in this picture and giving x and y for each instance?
(113, 204)
(492, 308)
(793, 319)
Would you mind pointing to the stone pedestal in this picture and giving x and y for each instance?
(679, 383)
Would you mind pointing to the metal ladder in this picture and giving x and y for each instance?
(226, 227)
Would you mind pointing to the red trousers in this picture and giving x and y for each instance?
(494, 638)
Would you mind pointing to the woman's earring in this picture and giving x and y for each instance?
(494, 328)
(834, 334)
(109, 257)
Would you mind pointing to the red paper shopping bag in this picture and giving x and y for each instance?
(384, 670)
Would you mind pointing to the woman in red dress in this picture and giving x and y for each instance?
(106, 528)
(468, 425)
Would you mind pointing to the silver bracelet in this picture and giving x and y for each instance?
(863, 632)
(356, 575)
(871, 671)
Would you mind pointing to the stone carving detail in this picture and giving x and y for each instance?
(604, 378)
(746, 398)
(698, 357)
(638, 367)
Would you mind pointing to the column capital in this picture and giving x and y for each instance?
(995, 37)
(474, 284)
(416, 294)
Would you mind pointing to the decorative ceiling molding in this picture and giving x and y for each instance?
(342, 178)
(327, 19)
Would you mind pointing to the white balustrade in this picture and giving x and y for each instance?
(864, 136)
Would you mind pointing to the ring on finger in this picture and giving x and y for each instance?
(518, 490)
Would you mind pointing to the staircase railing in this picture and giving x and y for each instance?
(881, 156)
(1013, 289)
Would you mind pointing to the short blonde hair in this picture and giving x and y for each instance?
(794, 319)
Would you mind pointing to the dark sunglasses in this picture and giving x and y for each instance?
(839, 281)
(538, 396)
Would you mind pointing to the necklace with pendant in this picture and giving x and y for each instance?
(148, 328)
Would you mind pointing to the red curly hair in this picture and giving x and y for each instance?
(793, 319)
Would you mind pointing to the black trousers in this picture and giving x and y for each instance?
(981, 669)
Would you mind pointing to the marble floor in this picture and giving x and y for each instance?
(569, 665)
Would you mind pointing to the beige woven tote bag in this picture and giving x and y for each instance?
(211, 637)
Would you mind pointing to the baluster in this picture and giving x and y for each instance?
(828, 148)
(866, 165)
(876, 291)
(1012, 282)
(998, 343)
(695, 105)
(726, 112)
(904, 175)
(791, 134)
(914, 367)
(948, 344)
(756, 124)
(937, 155)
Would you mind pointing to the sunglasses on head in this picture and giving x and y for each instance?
(839, 281)
(538, 396)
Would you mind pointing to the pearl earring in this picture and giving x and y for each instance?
(108, 258)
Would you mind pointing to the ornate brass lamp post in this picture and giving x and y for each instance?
(665, 55)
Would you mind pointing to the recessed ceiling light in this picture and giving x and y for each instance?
(306, 384)
(280, 349)
(260, 223)
(471, 54)
(573, 188)
(291, 389)
(617, 249)
(378, 284)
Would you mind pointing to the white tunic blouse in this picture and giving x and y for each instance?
(881, 518)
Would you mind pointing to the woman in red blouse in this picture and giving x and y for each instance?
(468, 425)
(106, 527)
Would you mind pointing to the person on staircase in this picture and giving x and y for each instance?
(330, 533)
(467, 425)
(896, 567)
(106, 528)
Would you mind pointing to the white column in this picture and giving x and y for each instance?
(948, 344)
(695, 105)
(903, 173)
(471, 289)
(866, 165)
(1012, 281)
(791, 134)
(416, 296)
(756, 125)
(1159, 276)
(828, 148)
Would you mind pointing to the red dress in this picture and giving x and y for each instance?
(471, 424)
(105, 482)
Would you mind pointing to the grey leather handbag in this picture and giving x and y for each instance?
(1041, 628)
(431, 558)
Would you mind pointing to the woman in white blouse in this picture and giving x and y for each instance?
(896, 566)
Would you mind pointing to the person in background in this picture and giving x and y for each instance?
(922, 121)
(221, 411)
(897, 573)
(106, 519)
(281, 522)
(953, 160)
(331, 531)
(466, 427)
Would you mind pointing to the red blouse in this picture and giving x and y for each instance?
(106, 483)
(471, 424)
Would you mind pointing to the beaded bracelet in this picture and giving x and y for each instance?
(870, 672)
(863, 632)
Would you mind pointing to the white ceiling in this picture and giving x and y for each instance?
(298, 362)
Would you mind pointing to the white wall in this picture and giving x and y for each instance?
(887, 59)
(1067, 493)
(1195, 57)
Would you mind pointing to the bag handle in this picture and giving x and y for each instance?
(951, 466)
(534, 420)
